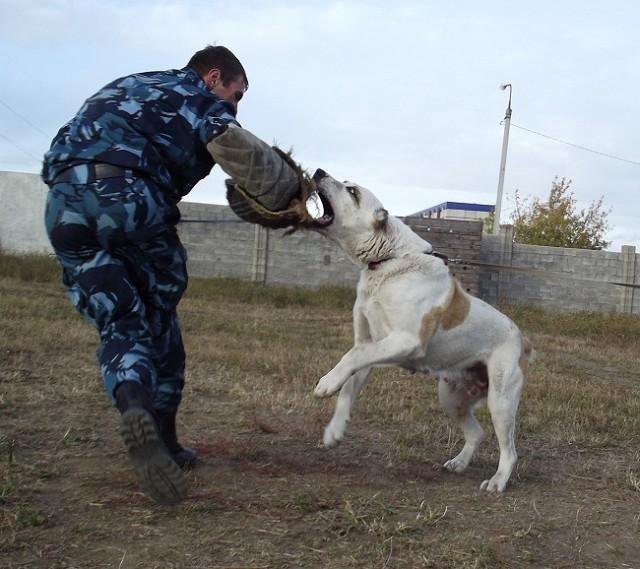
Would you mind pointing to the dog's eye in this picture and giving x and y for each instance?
(355, 194)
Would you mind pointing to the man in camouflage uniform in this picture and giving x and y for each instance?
(116, 172)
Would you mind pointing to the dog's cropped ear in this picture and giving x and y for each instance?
(380, 218)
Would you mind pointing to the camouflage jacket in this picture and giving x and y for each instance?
(157, 122)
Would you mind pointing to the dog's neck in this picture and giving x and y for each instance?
(395, 240)
(379, 245)
(373, 265)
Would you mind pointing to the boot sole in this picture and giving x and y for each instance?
(159, 476)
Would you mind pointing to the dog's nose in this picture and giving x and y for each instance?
(319, 174)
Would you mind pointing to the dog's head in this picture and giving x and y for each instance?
(347, 208)
(351, 214)
(354, 218)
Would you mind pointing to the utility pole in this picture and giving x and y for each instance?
(503, 162)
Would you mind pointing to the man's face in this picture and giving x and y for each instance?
(232, 92)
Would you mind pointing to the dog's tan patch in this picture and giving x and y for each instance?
(457, 309)
(429, 324)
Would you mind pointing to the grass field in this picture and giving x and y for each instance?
(266, 494)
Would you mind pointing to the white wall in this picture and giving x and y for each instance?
(22, 199)
(464, 214)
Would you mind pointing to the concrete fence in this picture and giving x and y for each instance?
(567, 279)
(22, 198)
(220, 245)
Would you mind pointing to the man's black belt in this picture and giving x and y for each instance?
(90, 172)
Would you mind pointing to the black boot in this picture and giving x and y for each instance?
(159, 476)
(183, 457)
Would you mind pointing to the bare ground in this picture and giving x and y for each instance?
(266, 494)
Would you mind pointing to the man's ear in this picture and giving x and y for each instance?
(212, 77)
(380, 219)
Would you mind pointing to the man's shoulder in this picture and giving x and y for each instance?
(165, 78)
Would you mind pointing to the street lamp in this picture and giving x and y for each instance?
(503, 162)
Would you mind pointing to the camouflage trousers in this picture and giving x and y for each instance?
(125, 271)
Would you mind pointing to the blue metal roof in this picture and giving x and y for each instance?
(454, 205)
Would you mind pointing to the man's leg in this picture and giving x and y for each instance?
(102, 289)
(159, 267)
(169, 358)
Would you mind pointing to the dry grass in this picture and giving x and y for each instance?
(266, 494)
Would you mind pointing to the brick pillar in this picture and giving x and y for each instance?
(628, 260)
(260, 248)
(506, 256)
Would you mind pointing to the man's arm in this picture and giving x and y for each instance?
(267, 187)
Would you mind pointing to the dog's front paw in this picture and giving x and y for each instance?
(327, 386)
(324, 389)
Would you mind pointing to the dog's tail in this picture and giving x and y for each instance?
(527, 350)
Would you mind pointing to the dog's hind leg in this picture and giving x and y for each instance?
(334, 431)
(505, 386)
(458, 399)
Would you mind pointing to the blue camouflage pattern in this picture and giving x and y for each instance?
(122, 261)
(125, 271)
(157, 123)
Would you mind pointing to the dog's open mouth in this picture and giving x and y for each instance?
(320, 210)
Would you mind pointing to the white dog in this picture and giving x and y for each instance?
(411, 312)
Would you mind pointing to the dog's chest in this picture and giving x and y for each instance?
(377, 320)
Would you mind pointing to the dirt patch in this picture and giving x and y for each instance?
(266, 494)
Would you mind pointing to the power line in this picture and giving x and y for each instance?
(576, 145)
(20, 148)
(26, 120)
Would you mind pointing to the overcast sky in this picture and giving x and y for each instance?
(401, 97)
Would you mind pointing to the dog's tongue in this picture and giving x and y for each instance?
(314, 206)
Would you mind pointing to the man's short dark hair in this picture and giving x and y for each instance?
(218, 57)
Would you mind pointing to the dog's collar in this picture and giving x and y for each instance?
(373, 265)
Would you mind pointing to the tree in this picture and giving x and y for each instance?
(556, 222)
(488, 222)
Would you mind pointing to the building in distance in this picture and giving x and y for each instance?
(456, 210)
